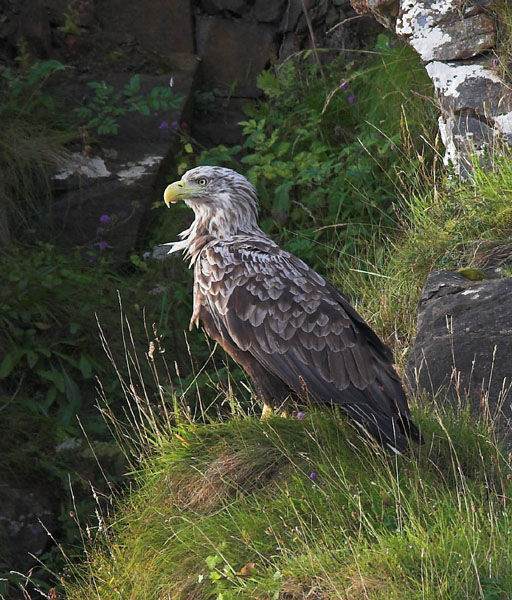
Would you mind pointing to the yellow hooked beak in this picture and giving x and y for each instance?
(175, 192)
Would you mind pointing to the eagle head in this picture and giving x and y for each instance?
(223, 200)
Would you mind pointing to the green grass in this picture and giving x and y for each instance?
(443, 225)
(229, 510)
(502, 12)
(34, 133)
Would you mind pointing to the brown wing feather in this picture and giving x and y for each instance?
(301, 330)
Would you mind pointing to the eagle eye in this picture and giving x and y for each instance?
(202, 181)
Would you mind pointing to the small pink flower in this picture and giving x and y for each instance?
(300, 416)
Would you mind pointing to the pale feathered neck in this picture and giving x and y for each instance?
(223, 218)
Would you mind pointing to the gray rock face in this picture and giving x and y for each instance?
(465, 137)
(464, 340)
(21, 532)
(102, 198)
(442, 31)
(469, 88)
(455, 40)
(233, 52)
(237, 7)
(165, 27)
(465, 38)
(237, 39)
(219, 121)
(268, 11)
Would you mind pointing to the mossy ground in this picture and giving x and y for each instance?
(289, 508)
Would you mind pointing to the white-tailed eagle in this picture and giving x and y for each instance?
(288, 327)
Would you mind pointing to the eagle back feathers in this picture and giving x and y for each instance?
(272, 305)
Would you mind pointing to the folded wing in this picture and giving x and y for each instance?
(303, 331)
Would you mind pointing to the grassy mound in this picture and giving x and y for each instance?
(290, 509)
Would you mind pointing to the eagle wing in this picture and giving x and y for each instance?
(269, 303)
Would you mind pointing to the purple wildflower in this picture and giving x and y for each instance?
(163, 125)
(102, 245)
(104, 219)
(343, 84)
(351, 99)
(175, 124)
(300, 416)
(495, 62)
(312, 475)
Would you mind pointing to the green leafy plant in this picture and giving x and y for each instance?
(107, 104)
(33, 134)
(325, 146)
(46, 315)
(24, 92)
(72, 18)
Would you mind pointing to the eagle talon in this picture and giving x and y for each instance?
(267, 412)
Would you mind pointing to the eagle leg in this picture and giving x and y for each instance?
(282, 408)
(270, 389)
(267, 411)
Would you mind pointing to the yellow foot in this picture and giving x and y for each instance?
(267, 411)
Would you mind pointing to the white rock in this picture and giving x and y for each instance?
(451, 155)
(90, 166)
(447, 77)
(504, 123)
(133, 171)
(417, 20)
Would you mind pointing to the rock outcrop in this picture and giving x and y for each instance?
(457, 42)
(25, 519)
(102, 197)
(464, 341)
(215, 46)
(237, 39)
